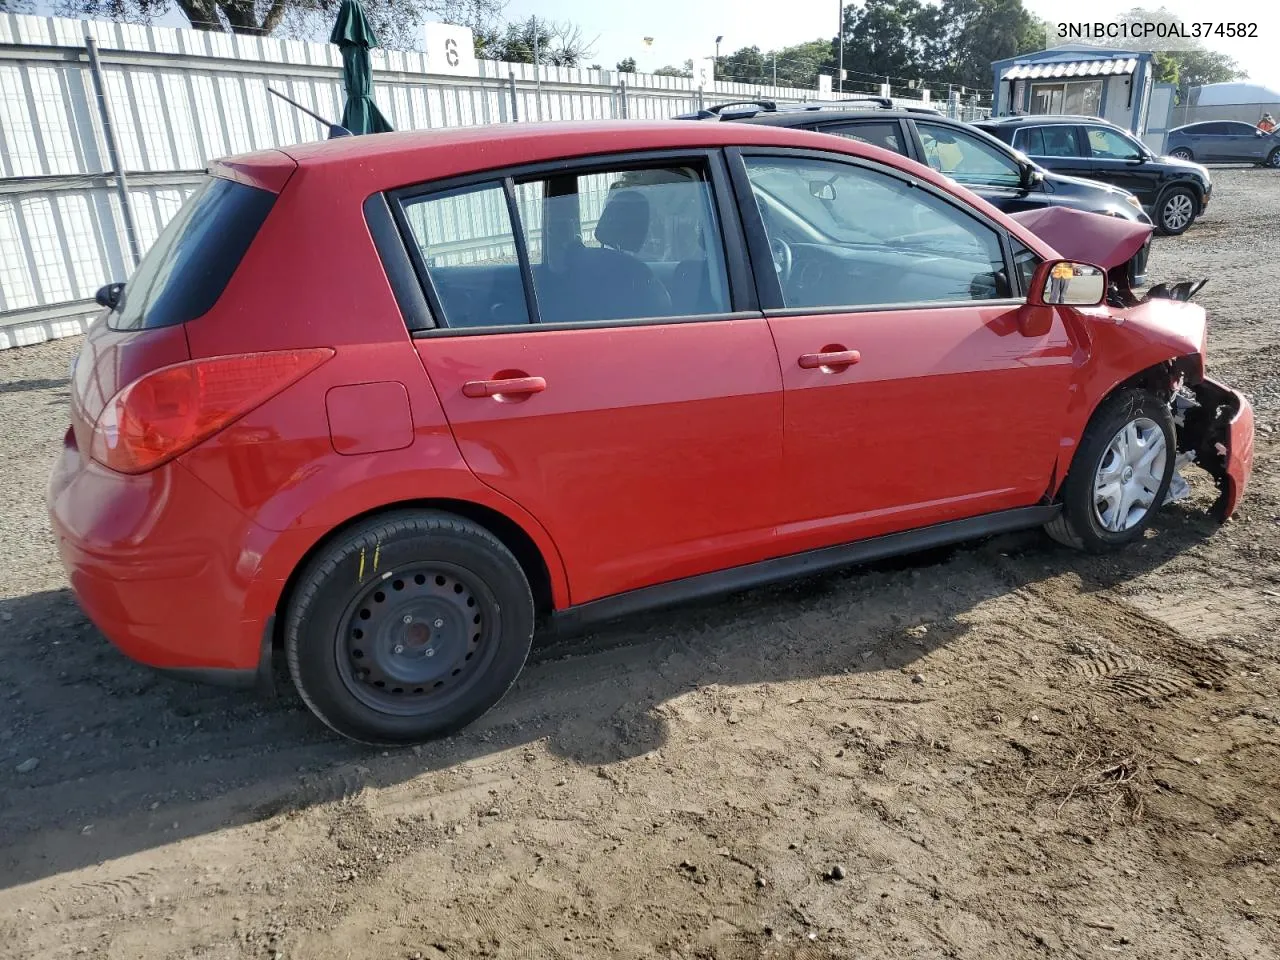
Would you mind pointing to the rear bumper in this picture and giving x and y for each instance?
(166, 569)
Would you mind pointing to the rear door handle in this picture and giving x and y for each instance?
(515, 386)
(832, 358)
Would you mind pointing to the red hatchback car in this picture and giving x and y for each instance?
(387, 402)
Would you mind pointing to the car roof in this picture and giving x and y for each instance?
(1040, 119)
(799, 118)
(384, 161)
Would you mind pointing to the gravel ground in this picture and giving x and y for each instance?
(1007, 750)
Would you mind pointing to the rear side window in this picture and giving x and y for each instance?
(1030, 141)
(190, 264)
(881, 134)
(605, 245)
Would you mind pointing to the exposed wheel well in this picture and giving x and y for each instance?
(1158, 378)
(511, 534)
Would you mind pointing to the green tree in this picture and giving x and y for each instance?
(669, 71)
(899, 39)
(979, 32)
(799, 65)
(557, 44)
(745, 65)
(627, 66)
(1193, 64)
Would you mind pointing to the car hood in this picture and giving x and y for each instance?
(1093, 238)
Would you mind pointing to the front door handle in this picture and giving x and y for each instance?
(512, 387)
(828, 359)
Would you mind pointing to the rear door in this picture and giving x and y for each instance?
(602, 363)
(989, 171)
(911, 398)
(884, 133)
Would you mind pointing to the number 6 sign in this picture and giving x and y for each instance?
(450, 49)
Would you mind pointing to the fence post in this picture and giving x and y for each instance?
(515, 102)
(113, 150)
(622, 92)
(701, 105)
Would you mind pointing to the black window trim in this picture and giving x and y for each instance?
(768, 287)
(397, 264)
(742, 288)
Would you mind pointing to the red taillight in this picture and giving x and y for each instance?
(170, 410)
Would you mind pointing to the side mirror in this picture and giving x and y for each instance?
(109, 296)
(822, 190)
(1068, 283)
(1032, 176)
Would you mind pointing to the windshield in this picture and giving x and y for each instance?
(191, 262)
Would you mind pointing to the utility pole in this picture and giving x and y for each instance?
(775, 68)
(537, 67)
(715, 64)
(840, 34)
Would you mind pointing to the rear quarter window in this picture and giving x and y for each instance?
(190, 264)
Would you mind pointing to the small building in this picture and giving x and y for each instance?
(1077, 78)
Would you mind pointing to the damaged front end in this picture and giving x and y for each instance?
(1215, 432)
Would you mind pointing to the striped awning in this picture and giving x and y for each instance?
(1112, 66)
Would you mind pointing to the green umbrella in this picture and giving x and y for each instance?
(354, 36)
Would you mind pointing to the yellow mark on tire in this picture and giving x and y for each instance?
(360, 574)
(377, 549)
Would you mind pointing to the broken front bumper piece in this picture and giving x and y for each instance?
(1215, 431)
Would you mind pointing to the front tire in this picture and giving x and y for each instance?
(1120, 475)
(1176, 211)
(408, 626)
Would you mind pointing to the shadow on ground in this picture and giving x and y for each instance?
(129, 759)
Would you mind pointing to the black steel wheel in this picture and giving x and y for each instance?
(408, 627)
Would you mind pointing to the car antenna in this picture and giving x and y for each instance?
(335, 130)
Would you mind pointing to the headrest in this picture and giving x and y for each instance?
(624, 223)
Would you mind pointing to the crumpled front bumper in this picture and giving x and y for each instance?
(1219, 428)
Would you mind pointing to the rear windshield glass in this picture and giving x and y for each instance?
(187, 268)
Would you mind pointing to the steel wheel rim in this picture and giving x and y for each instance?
(417, 639)
(1129, 475)
(1177, 211)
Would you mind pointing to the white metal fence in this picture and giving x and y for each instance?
(179, 98)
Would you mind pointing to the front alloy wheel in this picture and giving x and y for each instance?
(1120, 474)
(1177, 211)
(1129, 475)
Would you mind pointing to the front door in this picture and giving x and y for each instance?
(593, 369)
(1118, 159)
(911, 397)
(987, 170)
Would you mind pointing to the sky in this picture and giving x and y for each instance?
(687, 29)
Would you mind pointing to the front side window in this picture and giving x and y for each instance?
(619, 244)
(842, 235)
(1107, 144)
(965, 158)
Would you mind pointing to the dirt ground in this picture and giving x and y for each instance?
(1007, 750)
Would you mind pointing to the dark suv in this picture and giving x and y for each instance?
(1174, 191)
(989, 167)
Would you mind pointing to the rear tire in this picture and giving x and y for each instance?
(1129, 444)
(1176, 211)
(1182, 153)
(408, 626)
(1273, 158)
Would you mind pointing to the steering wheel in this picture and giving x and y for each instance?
(782, 259)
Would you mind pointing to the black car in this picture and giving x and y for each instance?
(1174, 191)
(989, 167)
